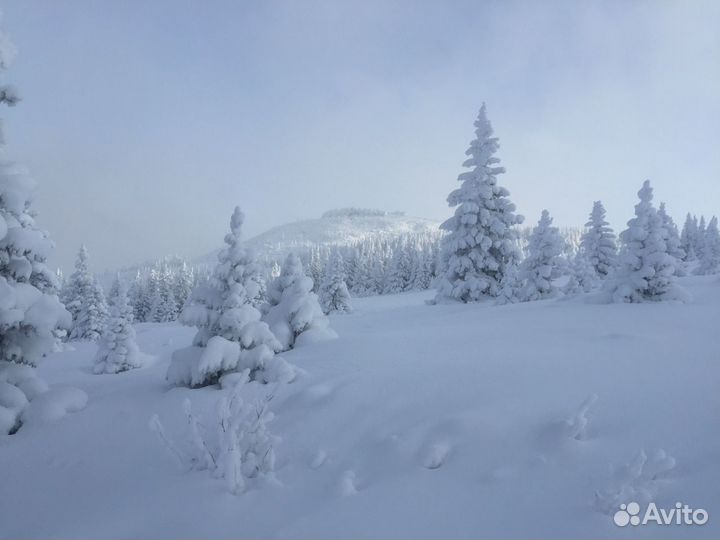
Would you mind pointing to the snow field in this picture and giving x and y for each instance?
(451, 421)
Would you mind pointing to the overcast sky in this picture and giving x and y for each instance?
(146, 122)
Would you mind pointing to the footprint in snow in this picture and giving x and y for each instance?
(436, 456)
(318, 460)
(347, 485)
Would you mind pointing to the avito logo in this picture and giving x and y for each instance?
(681, 514)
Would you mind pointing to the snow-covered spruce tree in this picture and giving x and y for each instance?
(164, 305)
(399, 272)
(85, 300)
(583, 276)
(544, 261)
(673, 243)
(700, 237)
(117, 349)
(30, 312)
(481, 243)
(315, 269)
(230, 337)
(688, 237)
(138, 298)
(646, 271)
(362, 283)
(182, 287)
(334, 295)
(511, 287)
(710, 259)
(598, 242)
(287, 274)
(295, 311)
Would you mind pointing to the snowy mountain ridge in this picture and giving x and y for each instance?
(340, 227)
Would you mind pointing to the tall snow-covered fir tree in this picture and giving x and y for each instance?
(29, 305)
(117, 348)
(710, 258)
(85, 300)
(646, 271)
(673, 242)
(31, 315)
(598, 242)
(481, 243)
(230, 337)
(689, 237)
(334, 295)
(295, 309)
(544, 261)
(399, 276)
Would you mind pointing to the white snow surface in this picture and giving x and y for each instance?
(446, 421)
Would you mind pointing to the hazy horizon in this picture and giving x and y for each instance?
(144, 124)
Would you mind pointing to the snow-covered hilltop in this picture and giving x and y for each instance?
(340, 227)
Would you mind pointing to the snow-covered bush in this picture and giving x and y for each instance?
(295, 309)
(710, 257)
(647, 270)
(230, 336)
(544, 261)
(117, 349)
(31, 315)
(334, 295)
(482, 242)
(85, 300)
(241, 448)
(598, 242)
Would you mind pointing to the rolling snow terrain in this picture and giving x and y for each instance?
(447, 421)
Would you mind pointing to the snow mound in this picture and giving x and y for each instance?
(54, 404)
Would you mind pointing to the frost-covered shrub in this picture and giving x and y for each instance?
(482, 242)
(117, 349)
(230, 336)
(295, 311)
(334, 295)
(647, 270)
(241, 448)
(544, 261)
